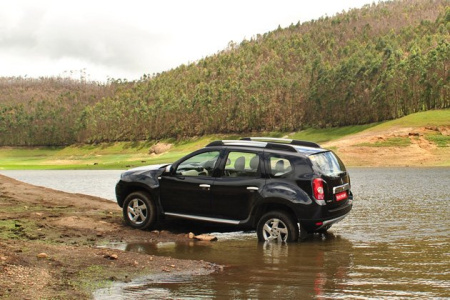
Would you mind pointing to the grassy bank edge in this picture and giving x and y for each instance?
(125, 155)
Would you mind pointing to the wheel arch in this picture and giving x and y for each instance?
(123, 189)
(273, 204)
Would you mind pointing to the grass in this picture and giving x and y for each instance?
(93, 278)
(327, 134)
(421, 119)
(17, 229)
(125, 155)
(439, 139)
(391, 142)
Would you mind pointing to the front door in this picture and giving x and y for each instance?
(187, 190)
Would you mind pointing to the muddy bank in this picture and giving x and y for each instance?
(49, 245)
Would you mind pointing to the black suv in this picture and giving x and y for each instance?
(281, 187)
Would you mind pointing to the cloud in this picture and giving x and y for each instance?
(128, 39)
(18, 28)
(79, 36)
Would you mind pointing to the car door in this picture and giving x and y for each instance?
(186, 189)
(238, 186)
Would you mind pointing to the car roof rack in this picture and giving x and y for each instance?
(257, 144)
(263, 142)
(283, 141)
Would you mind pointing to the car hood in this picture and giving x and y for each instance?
(143, 169)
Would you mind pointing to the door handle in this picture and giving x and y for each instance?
(252, 188)
(205, 186)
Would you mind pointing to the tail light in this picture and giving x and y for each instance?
(318, 190)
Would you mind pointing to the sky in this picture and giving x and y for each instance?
(99, 40)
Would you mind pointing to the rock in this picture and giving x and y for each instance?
(205, 237)
(159, 148)
(444, 130)
(42, 255)
(111, 256)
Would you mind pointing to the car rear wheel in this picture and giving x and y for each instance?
(277, 226)
(139, 210)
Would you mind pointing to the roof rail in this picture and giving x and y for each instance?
(249, 143)
(237, 143)
(282, 141)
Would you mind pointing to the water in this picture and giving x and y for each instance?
(394, 244)
(99, 183)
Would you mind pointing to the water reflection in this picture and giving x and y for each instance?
(253, 270)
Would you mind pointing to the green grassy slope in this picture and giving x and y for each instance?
(123, 155)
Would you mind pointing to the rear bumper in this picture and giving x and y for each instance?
(328, 223)
(325, 222)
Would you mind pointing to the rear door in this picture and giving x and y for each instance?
(238, 186)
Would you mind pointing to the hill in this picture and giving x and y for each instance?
(366, 65)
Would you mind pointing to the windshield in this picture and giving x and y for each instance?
(328, 163)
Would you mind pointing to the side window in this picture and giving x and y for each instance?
(242, 164)
(199, 165)
(280, 167)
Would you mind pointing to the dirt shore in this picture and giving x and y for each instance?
(49, 245)
(358, 149)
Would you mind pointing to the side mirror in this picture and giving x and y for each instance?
(168, 169)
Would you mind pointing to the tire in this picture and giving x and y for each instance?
(139, 210)
(277, 226)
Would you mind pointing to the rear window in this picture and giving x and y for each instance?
(328, 163)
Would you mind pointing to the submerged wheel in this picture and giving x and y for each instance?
(277, 226)
(139, 210)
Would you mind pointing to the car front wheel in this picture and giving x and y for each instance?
(277, 226)
(139, 210)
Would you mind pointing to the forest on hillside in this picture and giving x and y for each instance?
(376, 63)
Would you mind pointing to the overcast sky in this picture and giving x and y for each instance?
(130, 38)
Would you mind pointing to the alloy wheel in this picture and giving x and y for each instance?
(275, 230)
(137, 211)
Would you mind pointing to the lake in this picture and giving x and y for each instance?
(394, 244)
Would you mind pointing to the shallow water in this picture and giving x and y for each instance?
(98, 183)
(394, 244)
